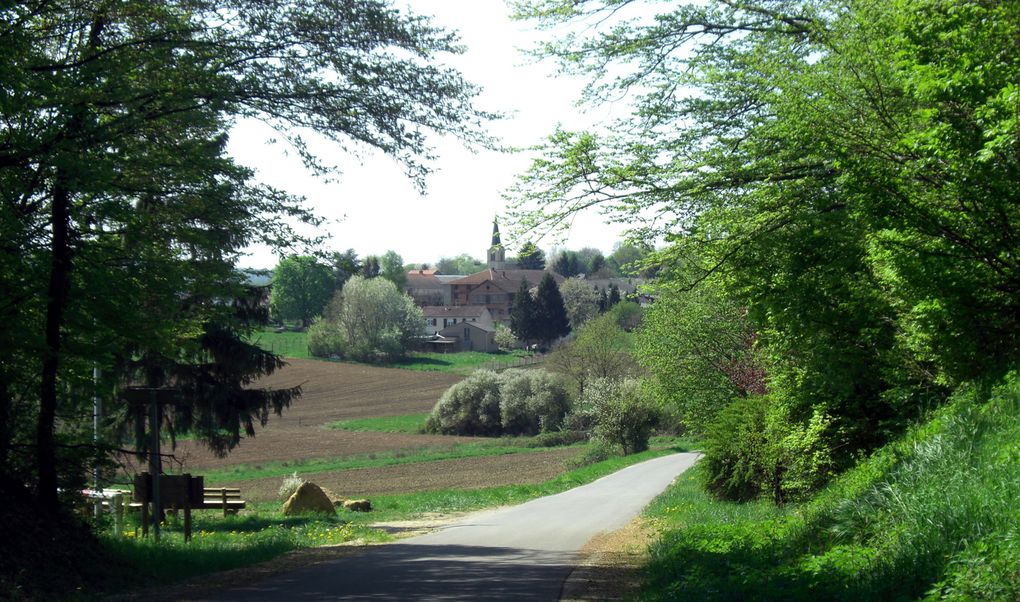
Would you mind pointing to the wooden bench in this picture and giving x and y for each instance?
(227, 499)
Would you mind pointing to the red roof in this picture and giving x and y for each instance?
(508, 277)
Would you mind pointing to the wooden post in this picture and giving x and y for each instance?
(223, 496)
(118, 514)
(154, 462)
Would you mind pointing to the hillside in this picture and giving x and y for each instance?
(930, 516)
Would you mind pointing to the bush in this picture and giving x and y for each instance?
(470, 407)
(755, 448)
(617, 413)
(517, 402)
(324, 338)
(531, 402)
(596, 451)
(505, 338)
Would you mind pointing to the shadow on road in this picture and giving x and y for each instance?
(420, 572)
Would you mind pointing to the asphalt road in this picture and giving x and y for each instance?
(524, 552)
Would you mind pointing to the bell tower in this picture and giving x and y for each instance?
(496, 257)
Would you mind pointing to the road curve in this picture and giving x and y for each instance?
(523, 552)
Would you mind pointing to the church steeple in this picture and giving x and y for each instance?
(495, 233)
(497, 254)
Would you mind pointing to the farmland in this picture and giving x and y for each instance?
(364, 462)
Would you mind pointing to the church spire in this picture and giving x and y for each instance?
(497, 254)
(495, 233)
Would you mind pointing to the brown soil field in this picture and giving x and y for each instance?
(331, 391)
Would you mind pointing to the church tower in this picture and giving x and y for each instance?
(497, 254)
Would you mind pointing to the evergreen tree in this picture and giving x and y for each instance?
(552, 321)
(524, 314)
(531, 257)
(614, 296)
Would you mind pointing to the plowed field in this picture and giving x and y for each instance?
(337, 391)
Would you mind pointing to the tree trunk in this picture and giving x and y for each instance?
(57, 296)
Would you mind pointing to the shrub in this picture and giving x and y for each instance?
(596, 451)
(324, 338)
(755, 448)
(505, 338)
(517, 402)
(289, 486)
(616, 412)
(470, 407)
(531, 402)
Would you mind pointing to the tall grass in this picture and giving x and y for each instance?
(932, 516)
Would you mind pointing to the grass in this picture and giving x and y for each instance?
(295, 345)
(220, 544)
(490, 447)
(408, 423)
(932, 516)
(286, 344)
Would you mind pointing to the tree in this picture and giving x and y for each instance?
(392, 269)
(551, 320)
(590, 260)
(462, 264)
(567, 264)
(523, 315)
(369, 320)
(301, 288)
(600, 350)
(114, 125)
(344, 266)
(698, 346)
(530, 257)
(859, 206)
(614, 296)
(580, 300)
(371, 267)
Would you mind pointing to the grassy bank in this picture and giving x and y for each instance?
(932, 516)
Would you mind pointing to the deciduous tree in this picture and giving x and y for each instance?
(302, 286)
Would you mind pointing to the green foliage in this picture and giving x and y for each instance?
(122, 216)
(509, 403)
(550, 314)
(531, 402)
(697, 344)
(524, 315)
(530, 257)
(844, 173)
(392, 268)
(301, 288)
(470, 407)
(505, 338)
(369, 320)
(463, 264)
(616, 412)
(753, 449)
(931, 516)
(600, 350)
(580, 300)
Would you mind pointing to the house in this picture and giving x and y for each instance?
(495, 289)
(472, 337)
(439, 317)
(427, 288)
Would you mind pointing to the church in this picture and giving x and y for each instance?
(492, 288)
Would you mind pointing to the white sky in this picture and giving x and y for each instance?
(375, 208)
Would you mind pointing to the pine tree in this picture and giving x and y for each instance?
(614, 295)
(552, 321)
(523, 314)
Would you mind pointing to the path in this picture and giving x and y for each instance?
(520, 553)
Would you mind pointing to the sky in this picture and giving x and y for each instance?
(374, 208)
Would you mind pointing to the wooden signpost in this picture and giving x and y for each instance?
(176, 491)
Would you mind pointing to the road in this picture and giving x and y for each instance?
(523, 552)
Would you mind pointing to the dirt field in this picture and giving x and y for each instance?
(331, 392)
(337, 391)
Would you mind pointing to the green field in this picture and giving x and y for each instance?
(295, 345)
(409, 423)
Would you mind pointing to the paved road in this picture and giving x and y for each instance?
(520, 553)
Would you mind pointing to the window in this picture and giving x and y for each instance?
(467, 334)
